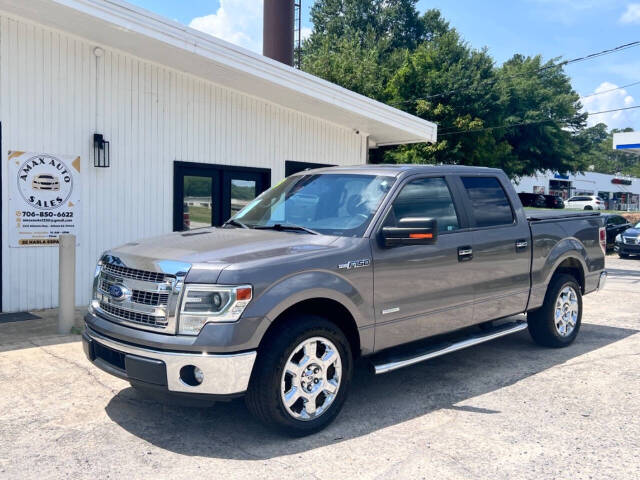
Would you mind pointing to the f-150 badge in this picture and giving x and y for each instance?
(351, 264)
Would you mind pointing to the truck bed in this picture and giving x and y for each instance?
(539, 215)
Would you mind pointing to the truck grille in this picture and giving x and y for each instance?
(630, 240)
(136, 317)
(139, 296)
(132, 273)
(147, 290)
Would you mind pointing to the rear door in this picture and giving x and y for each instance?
(501, 248)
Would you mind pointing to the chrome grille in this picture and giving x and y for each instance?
(138, 296)
(136, 317)
(132, 273)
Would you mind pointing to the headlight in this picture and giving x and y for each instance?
(619, 238)
(202, 304)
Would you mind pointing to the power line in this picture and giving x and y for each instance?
(584, 58)
(610, 90)
(520, 124)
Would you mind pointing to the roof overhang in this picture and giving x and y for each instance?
(119, 25)
(627, 142)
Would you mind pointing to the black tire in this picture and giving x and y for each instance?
(623, 255)
(264, 398)
(588, 207)
(542, 325)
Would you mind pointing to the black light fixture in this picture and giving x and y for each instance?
(101, 157)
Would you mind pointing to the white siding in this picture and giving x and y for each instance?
(55, 93)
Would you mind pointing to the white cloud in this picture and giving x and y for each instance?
(305, 32)
(632, 14)
(611, 100)
(236, 21)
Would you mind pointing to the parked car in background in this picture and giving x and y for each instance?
(554, 201)
(537, 200)
(628, 242)
(586, 202)
(614, 224)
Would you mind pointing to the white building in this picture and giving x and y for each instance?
(185, 115)
(619, 193)
(627, 142)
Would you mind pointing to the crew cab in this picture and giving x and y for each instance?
(396, 264)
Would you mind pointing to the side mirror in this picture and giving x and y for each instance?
(411, 231)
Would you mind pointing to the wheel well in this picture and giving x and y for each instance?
(573, 267)
(330, 309)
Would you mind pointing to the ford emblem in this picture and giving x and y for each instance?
(118, 292)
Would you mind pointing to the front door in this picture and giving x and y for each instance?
(423, 290)
(501, 250)
(208, 195)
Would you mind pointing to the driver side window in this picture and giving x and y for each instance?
(425, 198)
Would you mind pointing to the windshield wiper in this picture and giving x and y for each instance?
(235, 223)
(286, 226)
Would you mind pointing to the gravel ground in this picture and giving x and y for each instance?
(506, 409)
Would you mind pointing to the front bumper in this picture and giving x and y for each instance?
(627, 248)
(224, 374)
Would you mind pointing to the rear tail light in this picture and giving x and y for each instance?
(603, 240)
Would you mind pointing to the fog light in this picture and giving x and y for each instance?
(198, 375)
(191, 375)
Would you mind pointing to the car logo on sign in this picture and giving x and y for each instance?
(119, 292)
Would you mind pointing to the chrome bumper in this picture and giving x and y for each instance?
(223, 374)
(602, 281)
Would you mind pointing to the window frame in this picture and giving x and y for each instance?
(458, 205)
(469, 206)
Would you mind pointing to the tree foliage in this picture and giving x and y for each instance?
(596, 152)
(522, 116)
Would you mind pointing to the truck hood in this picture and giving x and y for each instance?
(213, 249)
(631, 232)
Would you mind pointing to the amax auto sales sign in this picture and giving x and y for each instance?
(44, 195)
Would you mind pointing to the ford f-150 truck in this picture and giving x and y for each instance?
(396, 264)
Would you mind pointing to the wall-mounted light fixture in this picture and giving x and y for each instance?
(101, 156)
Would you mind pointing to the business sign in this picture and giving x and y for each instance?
(44, 194)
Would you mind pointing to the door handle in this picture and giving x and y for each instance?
(465, 254)
(521, 244)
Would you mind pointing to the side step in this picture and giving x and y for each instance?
(389, 362)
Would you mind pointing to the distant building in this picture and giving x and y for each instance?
(618, 192)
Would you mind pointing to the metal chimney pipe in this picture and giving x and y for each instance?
(277, 36)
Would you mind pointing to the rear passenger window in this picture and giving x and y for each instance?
(425, 198)
(489, 201)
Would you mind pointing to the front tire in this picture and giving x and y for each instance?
(301, 376)
(556, 324)
(623, 255)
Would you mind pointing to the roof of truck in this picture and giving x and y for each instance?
(397, 170)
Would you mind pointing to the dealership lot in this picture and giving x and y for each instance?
(506, 409)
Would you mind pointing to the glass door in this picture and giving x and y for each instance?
(239, 189)
(208, 195)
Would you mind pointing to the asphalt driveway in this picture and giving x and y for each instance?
(507, 409)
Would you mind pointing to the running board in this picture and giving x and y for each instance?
(388, 364)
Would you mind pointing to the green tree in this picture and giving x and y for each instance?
(597, 153)
(523, 116)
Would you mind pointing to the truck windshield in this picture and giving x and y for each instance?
(331, 204)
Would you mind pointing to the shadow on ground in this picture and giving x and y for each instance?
(375, 402)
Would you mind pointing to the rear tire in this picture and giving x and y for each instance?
(301, 376)
(557, 323)
(588, 207)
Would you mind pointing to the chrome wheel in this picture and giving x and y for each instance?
(311, 378)
(566, 311)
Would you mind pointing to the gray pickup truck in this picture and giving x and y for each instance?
(394, 264)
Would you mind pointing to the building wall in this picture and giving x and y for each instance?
(55, 94)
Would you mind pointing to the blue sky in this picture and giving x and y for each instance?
(566, 28)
